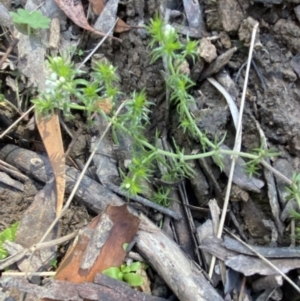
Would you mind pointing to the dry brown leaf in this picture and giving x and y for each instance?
(123, 228)
(105, 105)
(121, 26)
(98, 6)
(49, 130)
(74, 10)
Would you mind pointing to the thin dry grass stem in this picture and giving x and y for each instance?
(242, 290)
(19, 255)
(276, 172)
(16, 122)
(22, 274)
(237, 147)
(295, 286)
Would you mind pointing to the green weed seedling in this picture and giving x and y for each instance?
(7, 234)
(294, 194)
(161, 197)
(64, 85)
(126, 273)
(25, 20)
(67, 90)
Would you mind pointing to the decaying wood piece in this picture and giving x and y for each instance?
(99, 246)
(41, 212)
(93, 195)
(7, 180)
(104, 288)
(248, 265)
(139, 199)
(282, 252)
(272, 281)
(182, 276)
(194, 14)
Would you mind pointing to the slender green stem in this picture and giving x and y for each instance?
(77, 107)
(170, 65)
(192, 121)
(187, 157)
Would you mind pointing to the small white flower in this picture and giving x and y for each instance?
(62, 80)
(57, 59)
(169, 30)
(53, 76)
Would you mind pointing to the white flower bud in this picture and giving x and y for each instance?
(62, 80)
(169, 30)
(53, 76)
(57, 59)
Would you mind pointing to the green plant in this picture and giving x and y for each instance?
(7, 234)
(260, 153)
(75, 51)
(126, 273)
(125, 245)
(161, 196)
(67, 90)
(294, 189)
(294, 194)
(53, 263)
(29, 20)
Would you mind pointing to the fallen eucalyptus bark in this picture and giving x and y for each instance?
(93, 195)
(103, 288)
(181, 274)
(273, 252)
(245, 264)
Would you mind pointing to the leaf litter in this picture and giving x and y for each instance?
(275, 108)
